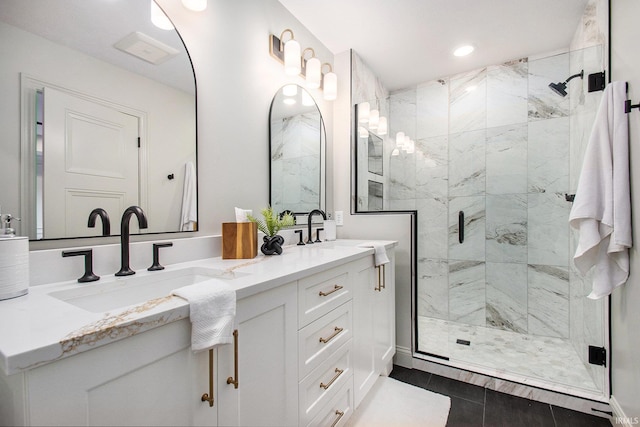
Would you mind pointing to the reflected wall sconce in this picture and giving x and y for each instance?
(374, 119)
(295, 63)
(382, 126)
(363, 112)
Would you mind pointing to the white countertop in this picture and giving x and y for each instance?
(38, 328)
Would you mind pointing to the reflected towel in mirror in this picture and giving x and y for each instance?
(189, 216)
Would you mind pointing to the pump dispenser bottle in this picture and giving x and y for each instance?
(14, 260)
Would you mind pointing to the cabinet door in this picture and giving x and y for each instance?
(267, 362)
(384, 318)
(364, 291)
(149, 379)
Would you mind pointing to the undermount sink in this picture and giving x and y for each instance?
(118, 292)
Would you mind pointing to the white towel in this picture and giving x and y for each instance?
(601, 210)
(189, 215)
(380, 252)
(212, 307)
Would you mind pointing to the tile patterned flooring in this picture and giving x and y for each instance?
(546, 358)
(473, 406)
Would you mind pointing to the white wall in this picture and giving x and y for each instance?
(625, 306)
(23, 52)
(237, 79)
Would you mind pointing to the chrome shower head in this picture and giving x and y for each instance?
(561, 87)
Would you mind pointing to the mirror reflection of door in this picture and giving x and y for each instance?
(78, 131)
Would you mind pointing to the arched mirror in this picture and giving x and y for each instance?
(297, 142)
(98, 111)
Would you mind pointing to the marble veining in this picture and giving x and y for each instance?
(433, 288)
(507, 93)
(548, 156)
(467, 101)
(506, 228)
(467, 167)
(507, 296)
(506, 159)
(548, 296)
(467, 292)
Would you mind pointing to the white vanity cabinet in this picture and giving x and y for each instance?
(374, 324)
(149, 379)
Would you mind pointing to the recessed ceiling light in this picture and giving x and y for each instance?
(463, 50)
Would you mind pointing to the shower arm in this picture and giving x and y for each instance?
(580, 74)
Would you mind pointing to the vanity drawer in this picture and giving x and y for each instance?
(321, 293)
(337, 411)
(317, 388)
(318, 340)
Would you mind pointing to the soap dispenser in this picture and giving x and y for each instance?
(14, 260)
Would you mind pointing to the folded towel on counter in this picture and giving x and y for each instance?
(601, 210)
(380, 252)
(189, 214)
(212, 306)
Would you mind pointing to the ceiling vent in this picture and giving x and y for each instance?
(146, 48)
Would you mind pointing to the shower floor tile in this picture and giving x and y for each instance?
(549, 359)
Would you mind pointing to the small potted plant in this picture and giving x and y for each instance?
(270, 226)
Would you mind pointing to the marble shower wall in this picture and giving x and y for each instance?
(495, 144)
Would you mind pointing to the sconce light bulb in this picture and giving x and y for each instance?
(395, 152)
(314, 75)
(292, 58)
(289, 101)
(330, 86)
(158, 18)
(363, 112)
(382, 126)
(374, 118)
(195, 5)
(399, 139)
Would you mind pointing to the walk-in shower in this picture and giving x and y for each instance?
(496, 157)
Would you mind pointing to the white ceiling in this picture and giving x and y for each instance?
(410, 41)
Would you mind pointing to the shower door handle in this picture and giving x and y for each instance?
(461, 226)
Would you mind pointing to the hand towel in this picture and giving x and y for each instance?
(212, 307)
(601, 210)
(380, 253)
(189, 215)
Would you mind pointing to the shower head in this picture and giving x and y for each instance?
(561, 87)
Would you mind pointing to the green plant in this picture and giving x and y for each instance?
(272, 223)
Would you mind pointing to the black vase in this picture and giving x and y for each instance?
(272, 245)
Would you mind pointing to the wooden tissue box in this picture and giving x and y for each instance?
(239, 240)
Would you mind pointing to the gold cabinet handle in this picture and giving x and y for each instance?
(379, 285)
(327, 385)
(383, 281)
(336, 331)
(208, 397)
(231, 380)
(335, 289)
(340, 414)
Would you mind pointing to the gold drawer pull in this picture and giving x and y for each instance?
(383, 281)
(232, 380)
(335, 289)
(208, 397)
(340, 414)
(336, 331)
(338, 373)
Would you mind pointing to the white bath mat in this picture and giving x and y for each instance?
(394, 403)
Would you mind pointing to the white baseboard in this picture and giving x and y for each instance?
(403, 357)
(619, 417)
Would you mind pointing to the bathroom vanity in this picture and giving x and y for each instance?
(315, 328)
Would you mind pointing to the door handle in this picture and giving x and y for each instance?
(461, 226)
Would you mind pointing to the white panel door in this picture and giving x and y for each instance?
(90, 161)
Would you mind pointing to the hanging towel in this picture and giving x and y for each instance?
(601, 210)
(380, 253)
(189, 216)
(212, 310)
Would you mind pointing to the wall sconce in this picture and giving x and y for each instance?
(330, 84)
(363, 112)
(195, 5)
(382, 126)
(312, 69)
(288, 53)
(374, 118)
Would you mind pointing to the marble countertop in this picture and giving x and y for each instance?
(39, 328)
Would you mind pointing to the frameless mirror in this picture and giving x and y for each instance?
(297, 141)
(98, 111)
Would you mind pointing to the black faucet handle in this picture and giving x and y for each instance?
(156, 255)
(300, 243)
(318, 230)
(88, 264)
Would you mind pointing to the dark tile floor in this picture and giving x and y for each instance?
(472, 405)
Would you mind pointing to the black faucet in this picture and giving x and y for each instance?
(124, 237)
(106, 225)
(313, 212)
